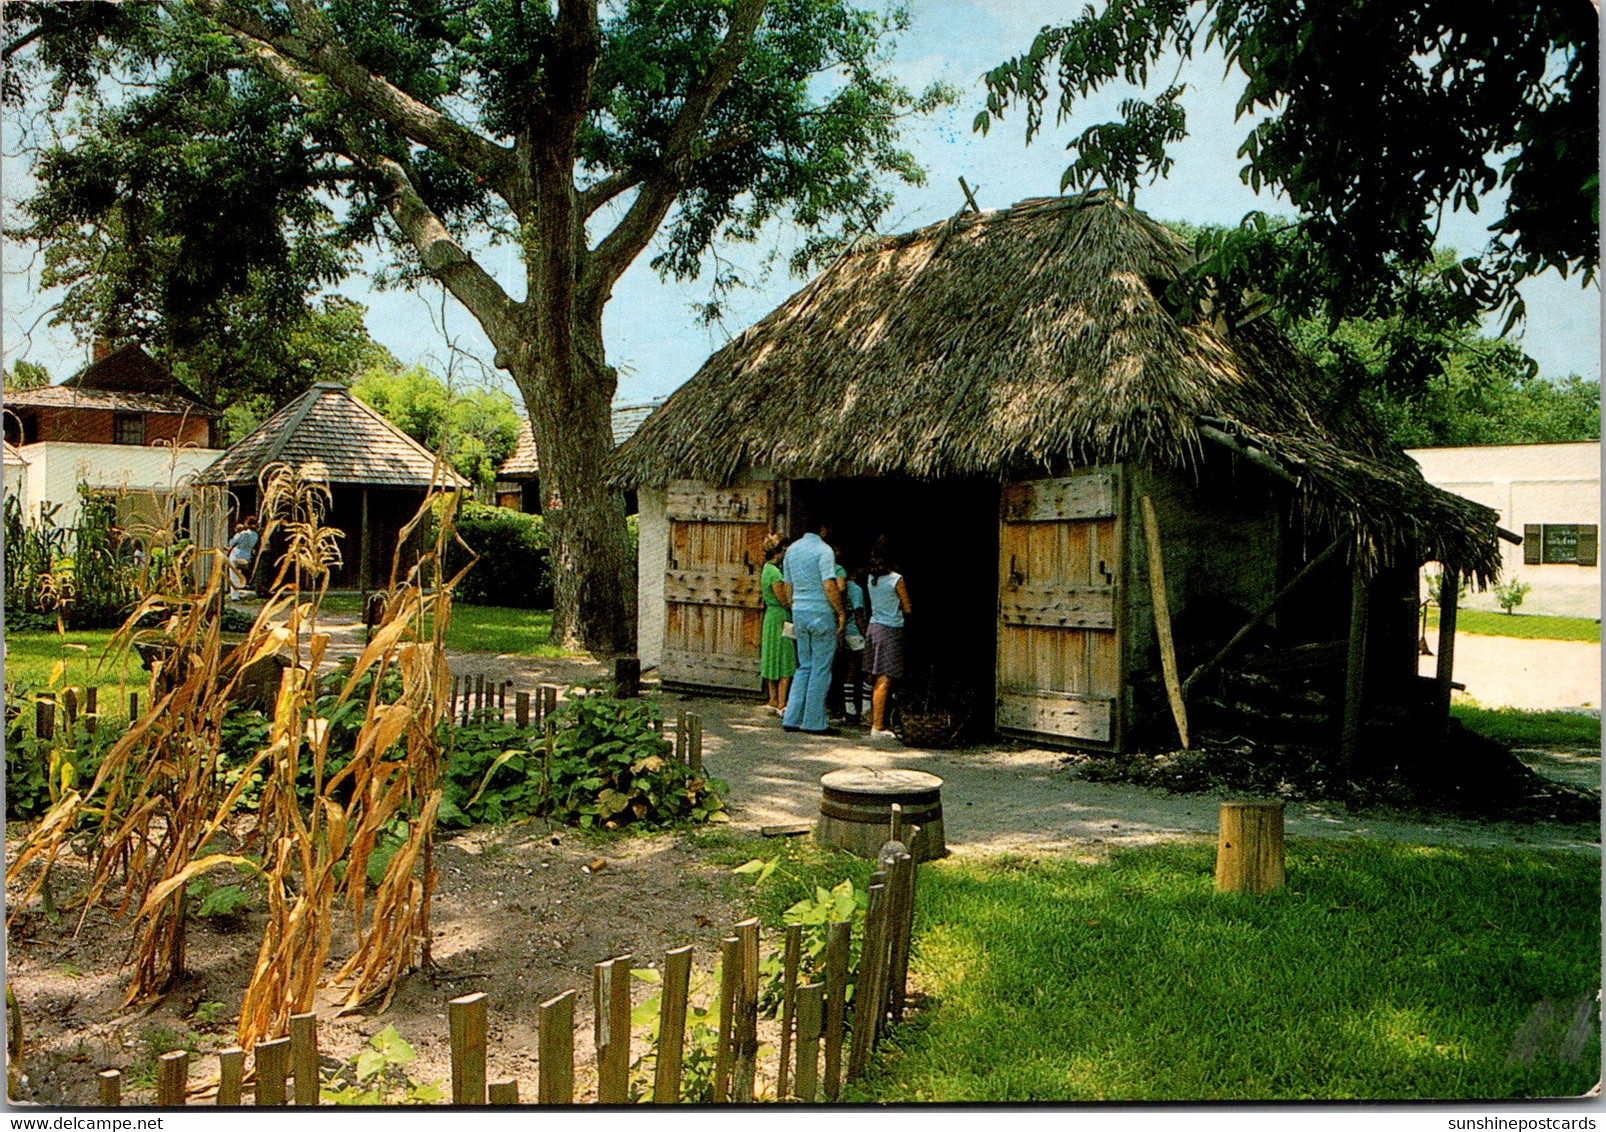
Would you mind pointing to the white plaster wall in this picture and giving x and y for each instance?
(652, 556)
(56, 468)
(17, 483)
(1529, 483)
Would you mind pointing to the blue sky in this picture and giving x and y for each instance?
(652, 334)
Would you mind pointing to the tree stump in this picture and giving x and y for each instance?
(1249, 847)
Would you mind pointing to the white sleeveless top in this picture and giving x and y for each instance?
(885, 608)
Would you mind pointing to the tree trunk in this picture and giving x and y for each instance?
(571, 417)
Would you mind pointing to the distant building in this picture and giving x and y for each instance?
(1550, 495)
(518, 480)
(378, 478)
(123, 426)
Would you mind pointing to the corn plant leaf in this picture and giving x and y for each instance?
(189, 872)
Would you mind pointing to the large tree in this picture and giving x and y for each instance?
(582, 137)
(1371, 117)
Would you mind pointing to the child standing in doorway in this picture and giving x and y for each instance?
(883, 660)
(847, 680)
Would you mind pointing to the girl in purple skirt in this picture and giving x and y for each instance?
(883, 649)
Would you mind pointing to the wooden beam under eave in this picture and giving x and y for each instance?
(365, 550)
(1444, 674)
(1355, 666)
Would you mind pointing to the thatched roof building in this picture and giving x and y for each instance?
(1025, 340)
(1009, 396)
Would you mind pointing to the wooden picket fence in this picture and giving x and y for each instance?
(818, 1050)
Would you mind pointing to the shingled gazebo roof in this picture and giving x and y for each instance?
(522, 464)
(330, 435)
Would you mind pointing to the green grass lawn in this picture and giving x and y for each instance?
(1383, 971)
(498, 629)
(1551, 730)
(1531, 626)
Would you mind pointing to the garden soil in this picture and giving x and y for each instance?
(522, 912)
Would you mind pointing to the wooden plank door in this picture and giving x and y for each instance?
(1059, 565)
(713, 612)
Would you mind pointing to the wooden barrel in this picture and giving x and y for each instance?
(856, 810)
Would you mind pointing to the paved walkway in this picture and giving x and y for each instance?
(1533, 675)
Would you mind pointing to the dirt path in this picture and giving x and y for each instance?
(1509, 672)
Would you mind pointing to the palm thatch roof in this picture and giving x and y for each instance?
(1025, 341)
(523, 464)
(331, 435)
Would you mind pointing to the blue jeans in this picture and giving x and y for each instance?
(816, 649)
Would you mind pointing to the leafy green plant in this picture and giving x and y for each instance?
(1510, 594)
(221, 905)
(209, 1014)
(511, 548)
(1435, 583)
(378, 1076)
(701, 1050)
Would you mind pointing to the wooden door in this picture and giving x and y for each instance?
(713, 613)
(1059, 566)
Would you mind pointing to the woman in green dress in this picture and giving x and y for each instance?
(777, 655)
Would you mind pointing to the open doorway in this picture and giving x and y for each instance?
(943, 537)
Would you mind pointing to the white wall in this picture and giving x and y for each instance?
(56, 468)
(17, 483)
(652, 556)
(1529, 483)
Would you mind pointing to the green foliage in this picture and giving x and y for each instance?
(513, 556)
(476, 429)
(1546, 730)
(378, 1075)
(1371, 118)
(27, 375)
(1435, 584)
(105, 583)
(32, 547)
(220, 905)
(1510, 594)
(700, 1053)
(40, 772)
(1529, 626)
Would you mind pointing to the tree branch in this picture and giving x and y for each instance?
(594, 196)
(442, 256)
(317, 49)
(620, 247)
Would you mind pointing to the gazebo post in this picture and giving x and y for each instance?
(1444, 674)
(1355, 665)
(364, 569)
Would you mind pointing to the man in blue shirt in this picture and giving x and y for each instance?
(818, 619)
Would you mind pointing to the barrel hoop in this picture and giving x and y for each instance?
(920, 814)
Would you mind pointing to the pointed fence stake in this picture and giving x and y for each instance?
(111, 1088)
(467, 1020)
(172, 1077)
(503, 1092)
(231, 1076)
(744, 1063)
(791, 958)
(304, 1057)
(672, 1026)
(555, 1019)
(273, 1068)
(838, 947)
(809, 1008)
(730, 981)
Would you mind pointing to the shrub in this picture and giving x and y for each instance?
(608, 767)
(512, 566)
(1511, 594)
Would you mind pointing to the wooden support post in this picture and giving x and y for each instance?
(867, 1003)
(230, 1076)
(672, 1026)
(612, 1041)
(273, 1068)
(694, 750)
(744, 1061)
(555, 1019)
(133, 706)
(1355, 668)
(1249, 847)
(838, 947)
(791, 957)
(549, 701)
(730, 983)
(91, 709)
(627, 677)
(44, 717)
(807, 1088)
(111, 1088)
(521, 710)
(1444, 673)
(468, 1021)
(503, 1092)
(304, 1057)
(69, 698)
(501, 699)
(680, 737)
(451, 704)
(172, 1078)
(479, 695)
(1162, 620)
